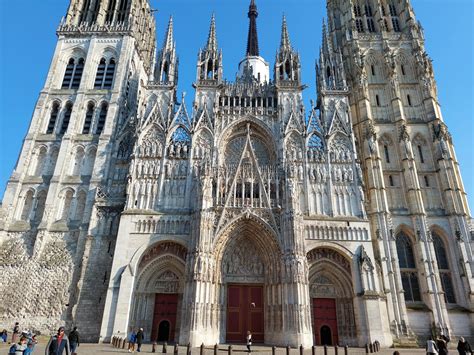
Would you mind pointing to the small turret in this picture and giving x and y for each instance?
(166, 69)
(209, 66)
(287, 63)
(330, 70)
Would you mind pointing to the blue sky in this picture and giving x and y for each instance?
(27, 41)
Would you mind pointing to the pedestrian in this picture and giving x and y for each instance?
(139, 338)
(20, 347)
(31, 345)
(16, 331)
(464, 348)
(4, 337)
(74, 340)
(58, 344)
(249, 341)
(431, 347)
(131, 341)
(442, 345)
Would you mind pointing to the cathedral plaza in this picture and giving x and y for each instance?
(238, 209)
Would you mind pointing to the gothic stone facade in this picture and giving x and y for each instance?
(344, 223)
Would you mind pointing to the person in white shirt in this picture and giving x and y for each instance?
(431, 348)
(249, 341)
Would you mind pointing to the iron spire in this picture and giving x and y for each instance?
(252, 40)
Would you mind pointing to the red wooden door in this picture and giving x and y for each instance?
(244, 313)
(166, 307)
(325, 316)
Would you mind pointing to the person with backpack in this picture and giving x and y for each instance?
(20, 347)
(131, 341)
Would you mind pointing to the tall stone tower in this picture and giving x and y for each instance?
(414, 194)
(63, 201)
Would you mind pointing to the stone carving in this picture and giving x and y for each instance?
(167, 282)
(161, 249)
(243, 262)
(319, 254)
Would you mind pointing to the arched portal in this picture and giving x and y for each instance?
(158, 292)
(332, 295)
(249, 258)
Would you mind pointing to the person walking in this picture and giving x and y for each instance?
(431, 347)
(139, 339)
(58, 344)
(20, 347)
(4, 337)
(249, 341)
(442, 345)
(74, 340)
(131, 341)
(464, 348)
(16, 331)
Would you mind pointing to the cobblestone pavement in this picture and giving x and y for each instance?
(103, 349)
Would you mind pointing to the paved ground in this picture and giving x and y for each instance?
(103, 349)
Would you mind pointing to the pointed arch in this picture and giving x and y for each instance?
(408, 265)
(40, 205)
(443, 261)
(28, 201)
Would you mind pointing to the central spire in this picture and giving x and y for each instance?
(252, 41)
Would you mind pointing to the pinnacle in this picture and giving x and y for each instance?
(212, 38)
(168, 44)
(285, 38)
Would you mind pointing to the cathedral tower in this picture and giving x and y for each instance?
(415, 197)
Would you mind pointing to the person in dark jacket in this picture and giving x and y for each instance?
(73, 340)
(58, 344)
(16, 332)
(139, 339)
(464, 348)
(442, 344)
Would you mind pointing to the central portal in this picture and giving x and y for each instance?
(245, 313)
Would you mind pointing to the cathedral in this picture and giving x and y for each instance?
(341, 223)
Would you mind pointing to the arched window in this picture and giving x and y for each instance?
(76, 78)
(110, 11)
(88, 120)
(53, 157)
(84, 11)
(122, 11)
(40, 162)
(66, 118)
(387, 155)
(109, 74)
(40, 204)
(67, 201)
(95, 12)
(78, 160)
(99, 77)
(53, 118)
(68, 74)
(408, 271)
(80, 205)
(27, 206)
(102, 117)
(88, 164)
(370, 18)
(443, 268)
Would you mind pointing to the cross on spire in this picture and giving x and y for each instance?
(252, 40)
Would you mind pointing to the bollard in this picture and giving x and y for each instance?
(274, 350)
(175, 350)
(216, 348)
(371, 348)
(201, 349)
(287, 350)
(313, 350)
(124, 343)
(366, 348)
(325, 350)
(153, 347)
(336, 350)
(188, 349)
(229, 351)
(346, 350)
(301, 349)
(165, 348)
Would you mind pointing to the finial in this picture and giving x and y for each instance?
(252, 39)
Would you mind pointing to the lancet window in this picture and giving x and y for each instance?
(73, 74)
(53, 118)
(408, 270)
(444, 269)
